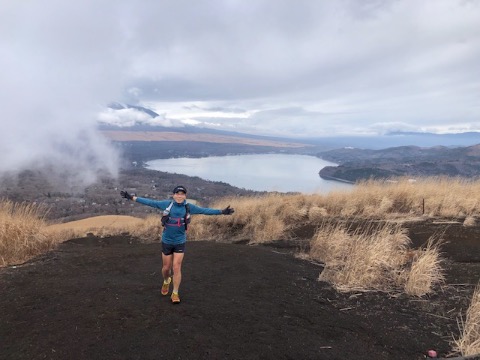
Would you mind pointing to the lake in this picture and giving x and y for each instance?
(260, 172)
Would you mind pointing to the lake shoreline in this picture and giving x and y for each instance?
(285, 173)
(331, 178)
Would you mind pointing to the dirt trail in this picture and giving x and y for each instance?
(99, 299)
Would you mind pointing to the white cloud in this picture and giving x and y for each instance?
(124, 117)
(130, 116)
(59, 63)
(347, 64)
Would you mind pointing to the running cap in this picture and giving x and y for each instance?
(179, 189)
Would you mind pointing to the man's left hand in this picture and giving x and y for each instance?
(228, 210)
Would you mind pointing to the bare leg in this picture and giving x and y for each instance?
(177, 270)
(167, 266)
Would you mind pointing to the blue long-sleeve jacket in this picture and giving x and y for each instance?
(174, 231)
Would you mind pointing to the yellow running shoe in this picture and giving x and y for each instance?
(175, 298)
(166, 286)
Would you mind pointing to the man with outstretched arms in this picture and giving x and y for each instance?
(175, 219)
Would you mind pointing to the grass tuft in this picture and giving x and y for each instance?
(367, 256)
(426, 270)
(469, 341)
(22, 232)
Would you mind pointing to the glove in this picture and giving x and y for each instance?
(126, 195)
(228, 210)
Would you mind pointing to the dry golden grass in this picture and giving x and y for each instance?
(442, 197)
(469, 341)
(22, 233)
(273, 217)
(425, 271)
(105, 225)
(149, 230)
(470, 221)
(375, 256)
(256, 219)
(370, 256)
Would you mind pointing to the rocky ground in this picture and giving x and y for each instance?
(99, 298)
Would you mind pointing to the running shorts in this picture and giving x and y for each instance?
(169, 249)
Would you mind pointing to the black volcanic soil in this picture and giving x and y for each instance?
(96, 298)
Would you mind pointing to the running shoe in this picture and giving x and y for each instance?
(175, 298)
(166, 286)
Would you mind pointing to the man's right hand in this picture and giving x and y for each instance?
(126, 195)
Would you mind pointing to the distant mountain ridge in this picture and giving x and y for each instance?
(412, 161)
(120, 106)
(388, 140)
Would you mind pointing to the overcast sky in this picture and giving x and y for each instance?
(309, 67)
(271, 67)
